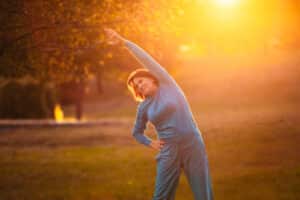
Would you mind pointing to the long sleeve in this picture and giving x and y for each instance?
(139, 127)
(150, 63)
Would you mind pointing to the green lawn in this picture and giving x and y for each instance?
(252, 156)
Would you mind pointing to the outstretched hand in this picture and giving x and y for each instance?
(113, 38)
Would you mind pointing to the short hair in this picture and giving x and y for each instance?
(132, 87)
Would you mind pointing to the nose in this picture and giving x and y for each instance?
(140, 85)
(137, 86)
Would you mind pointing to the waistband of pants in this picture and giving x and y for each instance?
(179, 137)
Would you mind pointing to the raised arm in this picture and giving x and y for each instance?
(149, 62)
(142, 56)
(141, 117)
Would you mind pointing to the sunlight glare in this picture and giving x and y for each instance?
(184, 48)
(226, 2)
(58, 113)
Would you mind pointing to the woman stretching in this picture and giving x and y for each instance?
(180, 143)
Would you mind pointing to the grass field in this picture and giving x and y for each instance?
(253, 154)
(249, 118)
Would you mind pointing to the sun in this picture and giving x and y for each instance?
(226, 2)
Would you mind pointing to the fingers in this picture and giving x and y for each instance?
(161, 141)
(161, 145)
(157, 144)
(109, 31)
(113, 37)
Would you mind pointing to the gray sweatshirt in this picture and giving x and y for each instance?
(168, 110)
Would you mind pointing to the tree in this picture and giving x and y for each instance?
(63, 40)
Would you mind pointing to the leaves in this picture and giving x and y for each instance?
(64, 39)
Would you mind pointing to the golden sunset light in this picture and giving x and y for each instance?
(164, 99)
(58, 113)
(226, 2)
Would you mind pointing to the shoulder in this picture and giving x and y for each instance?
(141, 113)
(142, 106)
(172, 89)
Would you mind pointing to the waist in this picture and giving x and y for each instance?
(179, 137)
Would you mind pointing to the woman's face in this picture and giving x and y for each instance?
(145, 85)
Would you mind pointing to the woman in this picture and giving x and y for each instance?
(180, 143)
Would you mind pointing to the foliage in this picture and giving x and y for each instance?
(26, 101)
(63, 40)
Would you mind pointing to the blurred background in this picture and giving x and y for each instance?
(54, 55)
(238, 62)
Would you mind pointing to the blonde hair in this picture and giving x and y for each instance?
(132, 87)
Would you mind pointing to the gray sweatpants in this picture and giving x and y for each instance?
(185, 152)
